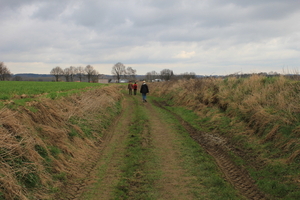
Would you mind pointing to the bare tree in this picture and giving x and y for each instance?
(5, 73)
(148, 76)
(166, 74)
(101, 76)
(187, 75)
(57, 72)
(152, 75)
(119, 71)
(17, 78)
(131, 73)
(95, 77)
(73, 72)
(80, 73)
(90, 72)
(67, 74)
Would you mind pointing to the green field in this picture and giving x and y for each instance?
(12, 90)
(9, 89)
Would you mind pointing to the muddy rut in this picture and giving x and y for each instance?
(218, 149)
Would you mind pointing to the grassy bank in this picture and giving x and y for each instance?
(258, 116)
(43, 147)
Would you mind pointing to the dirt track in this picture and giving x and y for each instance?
(103, 170)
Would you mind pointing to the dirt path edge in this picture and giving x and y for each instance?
(236, 175)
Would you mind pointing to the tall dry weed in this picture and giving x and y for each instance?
(265, 104)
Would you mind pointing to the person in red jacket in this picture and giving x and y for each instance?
(134, 88)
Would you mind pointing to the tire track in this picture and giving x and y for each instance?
(216, 147)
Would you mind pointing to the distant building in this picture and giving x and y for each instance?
(103, 80)
(116, 81)
(157, 80)
(123, 81)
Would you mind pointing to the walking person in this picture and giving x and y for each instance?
(144, 90)
(130, 87)
(134, 88)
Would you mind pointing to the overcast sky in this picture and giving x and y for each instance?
(208, 37)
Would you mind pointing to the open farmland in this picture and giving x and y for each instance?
(12, 90)
(193, 139)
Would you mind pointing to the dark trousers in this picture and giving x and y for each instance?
(134, 91)
(144, 96)
(130, 91)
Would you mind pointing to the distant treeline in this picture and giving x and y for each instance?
(48, 77)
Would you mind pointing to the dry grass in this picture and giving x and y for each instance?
(264, 104)
(28, 167)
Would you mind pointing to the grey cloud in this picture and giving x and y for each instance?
(155, 20)
(266, 9)
(50, 10)
(103, 30)
(4, 4)
(96, 14)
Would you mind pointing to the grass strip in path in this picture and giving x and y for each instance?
(139, 168)
(174, 182)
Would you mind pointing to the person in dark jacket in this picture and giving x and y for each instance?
(144, 90)
(130, 86)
